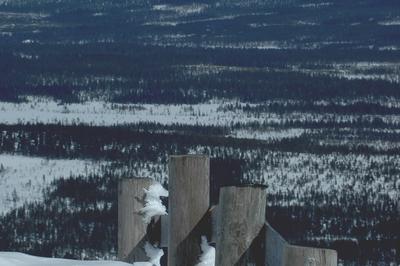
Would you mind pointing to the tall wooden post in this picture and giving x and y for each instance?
(241, 219)
(131, 228)
(299, 256)
(189, 200)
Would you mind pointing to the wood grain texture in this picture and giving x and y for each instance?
(280, 253)
(189, 201)
(131, 228)
(306, 256)
(164, 231)
(241, 218)
(274, 247)
(211, 227)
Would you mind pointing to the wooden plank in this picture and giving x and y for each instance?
(241, 218)
(280, 253)
(189, 201)
(214, 224)
(275, 247)
(296, 256)
(164, 231)
(131, 228)
(212, 212)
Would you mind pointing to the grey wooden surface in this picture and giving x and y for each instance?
(164, 231)
(211, 239)
(131, 228)
(280, 253)
(275, 247)
(296, 255)
(189, 189)
(241, 217)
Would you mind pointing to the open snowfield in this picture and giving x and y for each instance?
(213, 113)
(24, 178)
(48, 111)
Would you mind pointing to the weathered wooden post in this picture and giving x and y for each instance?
(307, 256)
(275, 247)
(131, 228)
(241, 219)
(189, 200)
(280, 253)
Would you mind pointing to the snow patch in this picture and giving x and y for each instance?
(316, 5)
(23, 178)
(182, 10)
(394, 22)
(212, 113)
(154, 254)
(272, 135)
(207, 258)
(20, 259)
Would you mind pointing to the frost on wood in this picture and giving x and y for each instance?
(207, 258)
(153, 205)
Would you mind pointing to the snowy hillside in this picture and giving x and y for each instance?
(301, 95)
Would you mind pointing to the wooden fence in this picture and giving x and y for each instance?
(237, 225)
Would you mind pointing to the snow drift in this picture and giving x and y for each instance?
(20, 259)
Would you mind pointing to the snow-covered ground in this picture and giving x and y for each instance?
(213, 113)
(394, 22)
(44, 110)
(269, 135)
(302, 174)
(23, 178)
(350, 70)
(20, 259)
(182, 10)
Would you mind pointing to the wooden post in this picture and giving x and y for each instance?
(280, 253)
(241, 218)
(189, 200)
(164, 231)
(305, 256)
(214, 224)
(275, 247)
(131, 228)
(211, 227)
